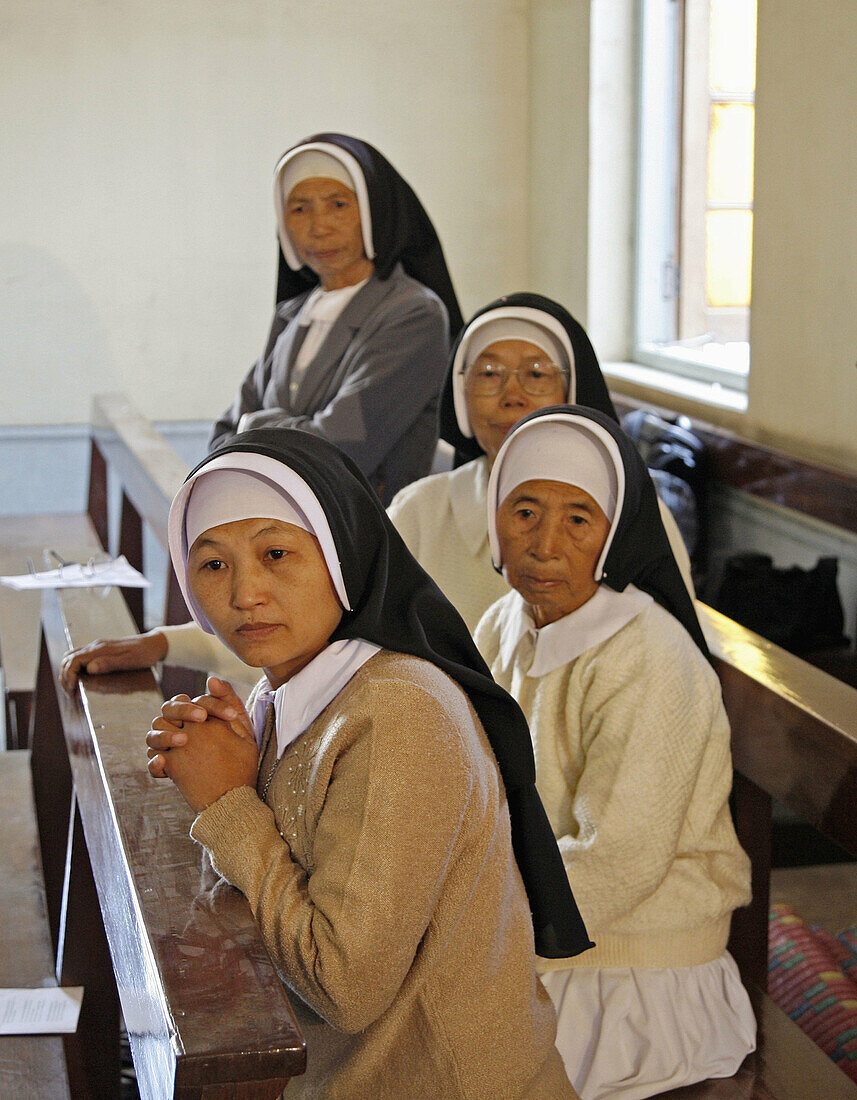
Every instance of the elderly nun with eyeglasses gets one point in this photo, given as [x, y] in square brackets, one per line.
[517, 354]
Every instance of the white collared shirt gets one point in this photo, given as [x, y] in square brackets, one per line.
[318, 315]
[299, 701]
[554, 645]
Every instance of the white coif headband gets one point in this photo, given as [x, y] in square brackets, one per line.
[509, 323]
[319, 160]
[226, 496]
[309, 164]
[246, 485]
[559, 447]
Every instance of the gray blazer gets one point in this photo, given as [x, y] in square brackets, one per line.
[372, 388]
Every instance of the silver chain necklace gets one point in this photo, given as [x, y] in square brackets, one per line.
[270, 777]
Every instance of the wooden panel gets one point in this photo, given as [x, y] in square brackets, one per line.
[794, 728]
[22, 537]
[30, 1065]
[748, 936]
[178, 936]
[92, 1054]
[810, 488]
[131, 545]
[53, 790]
[150, 470]
[97, 503]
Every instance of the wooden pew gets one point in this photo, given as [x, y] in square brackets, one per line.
[24, 538]
[125, 448]
[206, 1013]
[151, 473]
[30, 1065]
[794, 739]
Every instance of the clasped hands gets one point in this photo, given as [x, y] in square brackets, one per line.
[205, 745]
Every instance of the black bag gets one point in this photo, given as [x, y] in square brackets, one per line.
[798, 609]
[676, 459]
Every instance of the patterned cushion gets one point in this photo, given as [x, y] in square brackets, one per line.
[812, 975]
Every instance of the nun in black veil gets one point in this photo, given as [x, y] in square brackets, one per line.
[376, 800]
[365, 306]
[599, 642]
[356, 354]
[515, 355]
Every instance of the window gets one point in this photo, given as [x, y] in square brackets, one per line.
[695, 187]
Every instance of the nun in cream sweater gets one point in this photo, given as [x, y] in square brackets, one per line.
[599, 644]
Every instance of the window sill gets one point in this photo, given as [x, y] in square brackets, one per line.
[662, 384]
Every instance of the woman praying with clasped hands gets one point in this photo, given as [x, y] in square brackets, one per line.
[367, 800]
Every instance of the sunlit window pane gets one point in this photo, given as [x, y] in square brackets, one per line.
[730, 153]
[728, 255]
[732, 47]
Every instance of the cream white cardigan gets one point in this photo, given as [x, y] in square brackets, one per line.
[633, 766]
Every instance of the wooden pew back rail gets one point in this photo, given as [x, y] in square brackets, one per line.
[126, 449]
[794, 738]
[30, 1065]
[206, 1012]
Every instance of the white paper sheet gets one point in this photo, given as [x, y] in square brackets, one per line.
[97, 575]
[40, 1011]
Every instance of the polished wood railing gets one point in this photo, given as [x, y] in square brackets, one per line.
[132, 902]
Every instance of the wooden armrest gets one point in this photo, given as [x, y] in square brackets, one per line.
[202, 1002]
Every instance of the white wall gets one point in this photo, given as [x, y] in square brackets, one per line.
[803, 376]
[559, 151]
[137, 237]
[612, 176]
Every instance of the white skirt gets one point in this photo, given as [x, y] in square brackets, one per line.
[632, 1032]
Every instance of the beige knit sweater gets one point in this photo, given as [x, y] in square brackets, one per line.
[381, 873]
[633, 766]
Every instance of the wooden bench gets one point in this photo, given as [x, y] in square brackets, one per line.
[30, 1065]
[794, 739]
[23, 539]
[127, 451]
[130, 902]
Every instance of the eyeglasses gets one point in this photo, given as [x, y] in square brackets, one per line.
[485, 378]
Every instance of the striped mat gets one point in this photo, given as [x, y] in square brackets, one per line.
[812, 975]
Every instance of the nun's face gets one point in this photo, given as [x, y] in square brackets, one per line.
[519, 364]
[264, 587]
[551, 535]
[323, 221]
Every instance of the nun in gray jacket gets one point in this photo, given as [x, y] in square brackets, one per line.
[358, 347]
[357, 352]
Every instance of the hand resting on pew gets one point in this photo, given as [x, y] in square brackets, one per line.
[112, 655]
[206, 746]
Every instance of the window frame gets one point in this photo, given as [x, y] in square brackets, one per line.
[658, 186]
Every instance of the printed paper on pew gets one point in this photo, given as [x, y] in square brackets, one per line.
[95, 575]
[40, 1011]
